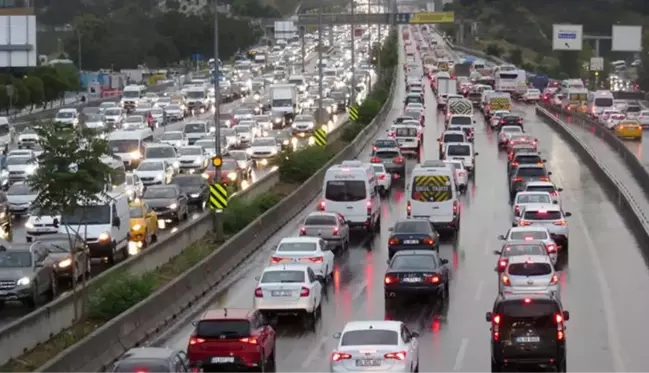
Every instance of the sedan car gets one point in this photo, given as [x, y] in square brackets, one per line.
[174, 138]
[524, 199]
[69, 256]
[154, 172]
[522, 248]
[416, 273]
[306, 250]
[168, 202]
[329, 226]
[384, 178]
[412, 234]
[20, 197]
[629, 129]
[195, 187]
[144, 224]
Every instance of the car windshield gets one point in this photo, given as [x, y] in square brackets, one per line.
[406, 132]
[524, 249]
[533, 309]
[453, 137]
[284, 277]
[386, 154]
[196, 94]
[160, 193]
[112, 112]
[21, 190]
[533, 198]
[92, 214]
[531, 171]
[542, 215]
[156, 111]
[321, 220]
[264, 142]
[207, 144]
[66, 114]
[226, 132]
[171, 136]
[15, 160]
[136, 212]
[414, 262]
[412, 227]
[414, 114]
[173, 108]
[135, 119]
[123, 146]
[15, 259]
[386, 143]
[378, 168]
[187, 180]
[541, 188]
[227, 165]
[528, 235]
[528, 159]
[242, 111]
[151, 166]
[345, 190]
[223, 329]
[461, 120]
[370, 337]
[93, 118]
[160, 152]
[459, 150]
[529, 269]
[297, 246]
[194, 127]
[241, 129]
[190, 151]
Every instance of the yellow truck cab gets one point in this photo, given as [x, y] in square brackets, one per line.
[143, 223]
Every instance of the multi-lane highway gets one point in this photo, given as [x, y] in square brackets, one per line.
[602, 285]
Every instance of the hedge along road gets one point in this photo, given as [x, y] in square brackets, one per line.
[15, 310]
[454, 337]
[608, 312]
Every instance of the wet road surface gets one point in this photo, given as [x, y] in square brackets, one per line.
[602, 286]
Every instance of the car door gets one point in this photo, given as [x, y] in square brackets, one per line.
[328, 255]
[344, 228]
[316, 286]
[411, 342]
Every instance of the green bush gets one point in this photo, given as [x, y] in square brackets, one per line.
[351, 131]
[240, 213]
[264, 202]
[118, 294]
[368, 110]
[297, 167]
[494, 50]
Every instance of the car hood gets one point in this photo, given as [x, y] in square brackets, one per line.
[142, 174]
[190, 189]
[263, 149]
[20, 199]
[13, 274]
[159, 202]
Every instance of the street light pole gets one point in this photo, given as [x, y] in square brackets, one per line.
[218, 218]
[320, 71]
[353, 79]
[79, 47]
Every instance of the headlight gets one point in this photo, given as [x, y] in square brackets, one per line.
[205, 176]
[136, 154]
[256, 97]
[4, 173]
[137, 227]
[30, 170]
[198, 160]
[104, 236]
[29, 225]
[194, 195]
[176, 164]
[23, 281]
[249, 151]
[158, 177]
[65, 263]
[227, 122]
[232, 176]
[273, 151]
[277, 120]
[285, 142]
[173, 206]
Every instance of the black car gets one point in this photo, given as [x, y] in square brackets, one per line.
[417, 273]
[525, 173]
[194, 186]
[510, 120]
[167, 201]
[392, 159]
[533, 158]
[528, 329]
[412, 234]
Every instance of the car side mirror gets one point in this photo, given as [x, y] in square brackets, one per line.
[566, 315]
[443, 261]
[337, 335]
[501, 237]
[415, 334]
[567, 214]
[474, 154]
[117, 222]
[560, 189]
[474, 121]
[549, 173]
[489, 316]
[497, 252]
[544, 160]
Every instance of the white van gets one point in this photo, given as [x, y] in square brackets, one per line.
[299, 82]
[432, 194]
[104, 225]
[117, 177]
[131, 95]
[461, 151]
[351, 189]
[128, 144]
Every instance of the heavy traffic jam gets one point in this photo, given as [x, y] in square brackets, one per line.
[431, 181]
[160, 145]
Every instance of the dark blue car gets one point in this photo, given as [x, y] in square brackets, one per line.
[412, 234]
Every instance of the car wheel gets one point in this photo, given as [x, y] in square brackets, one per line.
[271, 362]
[495, 367]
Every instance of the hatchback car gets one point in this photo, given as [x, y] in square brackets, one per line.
[329, 226]
[529, 274]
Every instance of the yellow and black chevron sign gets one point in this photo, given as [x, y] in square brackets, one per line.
[320, 137]
[218, 197]
[432, 188]
[353, 112]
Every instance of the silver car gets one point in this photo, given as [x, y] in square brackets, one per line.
[524, 247]
[529, 274]
[531, 234]
[524, 199]
[20, 197]
[551, 217]
[331, 226]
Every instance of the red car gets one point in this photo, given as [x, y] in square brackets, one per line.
[232, 339]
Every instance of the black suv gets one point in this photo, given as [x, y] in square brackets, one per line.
[528, 329]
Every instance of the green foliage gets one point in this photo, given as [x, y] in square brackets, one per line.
[516, 57]
[494, 50]
[254, 8]
[368, 110]
[70, 172]
[35, 87]
[297, 167]
[118, 294]
[240, 213]
[351, 131]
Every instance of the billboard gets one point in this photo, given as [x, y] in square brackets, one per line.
[18, 44]
[567, 37]
[285, 30]
[627, 38]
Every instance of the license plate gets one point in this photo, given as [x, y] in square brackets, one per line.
[528, 339]
[411, 242]
[412, 279]
[281, 293]
[41, 229]
[458, 159]
[222, 360]
[368, 362]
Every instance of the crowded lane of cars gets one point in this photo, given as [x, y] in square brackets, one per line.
[605, 329]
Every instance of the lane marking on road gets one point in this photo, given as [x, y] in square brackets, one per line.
[315, 352]
[478, 290]
[459, 358]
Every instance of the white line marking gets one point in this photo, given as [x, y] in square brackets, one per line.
[478, 290]
[459, 358]
[359, 291]
[315, 352]
[487, 248]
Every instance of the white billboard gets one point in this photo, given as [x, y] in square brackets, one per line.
[627, 38]
[285, 30]
[18, 43]
[567, 37]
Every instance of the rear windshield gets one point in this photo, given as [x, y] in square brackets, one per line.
[284, 277]
[530, 249]
[297, 246]
[633, 109]
[370, 337]
[529, 235]
[461, 120]
[459, 150]
[454, 137]
[223, 329]
[533, 198]
[384, 143]
[406, 132]
[528, 159]
[320, 220]
[531, 171]
[412, 227]
[529, 269]
[432, 189]
[386, 154]
[142, 365]
[414, 262]
[520, 309]
[542, 215]
[345, 190]
[540, 188]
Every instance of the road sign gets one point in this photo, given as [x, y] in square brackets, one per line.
[567, 37]
[626, 38]
[402, 18]
[353, 112]
[345, 19]
[217, 161]
[320, 137]
[432, 17]
[218, 196]
[596, 64]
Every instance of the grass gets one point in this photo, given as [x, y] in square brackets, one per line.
[529, 55]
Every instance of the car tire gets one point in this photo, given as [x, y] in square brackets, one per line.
[495, 367]
[271, 363]
[562, 366]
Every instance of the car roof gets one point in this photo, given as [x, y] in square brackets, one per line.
[300, 239]
[543, 206]
[539, 183]
[530, 165]
[227, 313]
[322, 213]
[529, 258]
[286, 267]
[521, 296]
[377, 324]
[528, 229]
[453, 132]
[148, 353]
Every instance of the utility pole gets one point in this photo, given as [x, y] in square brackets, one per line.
[320, 71]
[78, 47]
[218, 217]
[353, 80]
[378, 57]
[302, 32]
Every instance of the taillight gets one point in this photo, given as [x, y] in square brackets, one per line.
[401, 355]
[382, 177]
[461, 174]
[374, 148]
[517, 210]
[321, 205]
[456, 207]
[505, 280]
[520, 122]
[551, 248]
[554, 280]
[337, 356]
[398, 159]
[515, 164]
[524, 223]
[554, 194]
[317, 259]
[429, 241]
[502, 264]
[305, 292]
[408, 209]
[259, 293]
[369, 208]
[434, 279]
[502, 121]
[302, 231]
[375, 160]
[336, 231]
[391, 279]
[195, 341]
[544, 178]
[275, 260]
[518, 179]
[495, 327]
[393, 241]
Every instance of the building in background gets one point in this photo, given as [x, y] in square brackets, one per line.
[17, 34]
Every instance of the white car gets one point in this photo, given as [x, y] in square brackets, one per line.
[162, 102]
[174, 112]
[603, 117]
[461, 174]
[192, 158]
[524, 199]
[245, 133]
[134, 186]
[20, 167]
[107, 105]
[529, 274]
[95, 121]
[544, 186]
[303, 124]
[377, 346]
[384, 178]
[644, 118]
[134, 121]
[27, 138]
[532, 95]
[20, 197]
[263, 148]
[551, 217]
[311, 251]
[162, 152]
[154, 172]
[532, 233]
[506, 133]
[209, 147]
[231, 138]
[613, 120]
[39, 224]
[69, 116]
[292, 289]
[114, 116]
[174, 138]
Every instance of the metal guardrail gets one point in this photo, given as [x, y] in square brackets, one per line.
[160, 310]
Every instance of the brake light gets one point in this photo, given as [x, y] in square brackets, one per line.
[391, 280]
[456, 207]
[317, 259]
[429, 241]
[461, 174]
[554, 280]
[305, 292]
[398, 159]
[337, 356]
[524, 223]
[195, 341]
[259, 293]
[249, 340]
[408, 209]
[390, 134]
[502, 121]
[502, 264]
[515, 164]
[375, 160]
[561, 223]
[302, 231]
[374, 148]
[520, 121]
[505, 280]
[544, 178]
[558, 318]
[495, 327]
[517, 210]
[369, 208]
[518, 179]
[275, 260]
[434, 279]
[321, 205]
[401, 355]
[552, 248]
[393, 241]
[382, 177]
[336, 231]
[553, 194]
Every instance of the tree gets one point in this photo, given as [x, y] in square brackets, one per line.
[70, 175]
[493, 50]
[569, 63]
[36, 90]
[516, 57]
